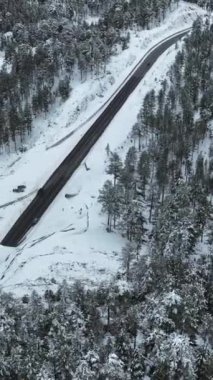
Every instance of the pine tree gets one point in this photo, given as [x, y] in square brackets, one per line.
[110, 198]
[115, 166]
[144, 170]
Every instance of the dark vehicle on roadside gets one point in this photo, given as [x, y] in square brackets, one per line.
[19, 189]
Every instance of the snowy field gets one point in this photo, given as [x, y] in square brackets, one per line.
[70, 241]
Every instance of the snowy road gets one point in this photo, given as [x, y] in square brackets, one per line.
[65, 170]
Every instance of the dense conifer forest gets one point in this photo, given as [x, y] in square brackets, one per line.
[155, 320]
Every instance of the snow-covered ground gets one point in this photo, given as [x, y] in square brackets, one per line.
[70, 241]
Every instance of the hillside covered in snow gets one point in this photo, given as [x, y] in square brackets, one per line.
[73, 227]
[115, 281]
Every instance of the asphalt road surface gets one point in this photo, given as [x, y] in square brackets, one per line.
[64, 171]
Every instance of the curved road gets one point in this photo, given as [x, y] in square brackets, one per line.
[65, 170]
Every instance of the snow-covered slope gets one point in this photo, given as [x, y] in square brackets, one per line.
[70, 241]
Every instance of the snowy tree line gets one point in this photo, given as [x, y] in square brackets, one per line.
[159, 327]
[160, 199]
[170, 127]
[208, 4]
[46, 42]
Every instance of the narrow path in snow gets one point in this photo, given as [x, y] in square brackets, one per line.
[17, 200]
